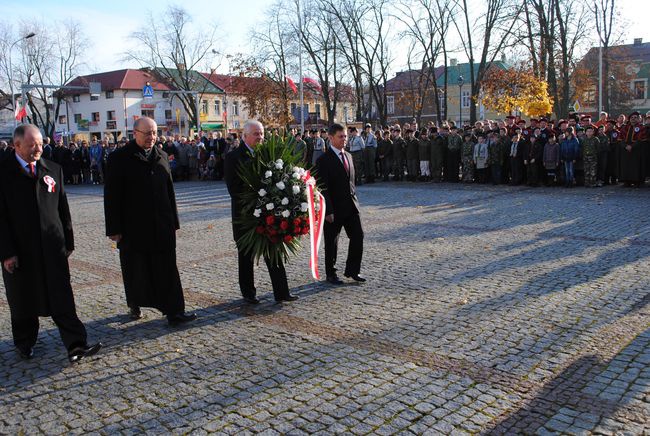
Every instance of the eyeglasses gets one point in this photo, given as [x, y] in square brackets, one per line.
[149, 133]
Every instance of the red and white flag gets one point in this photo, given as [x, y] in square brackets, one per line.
[292, 84]
[312, 82]
[21, 112]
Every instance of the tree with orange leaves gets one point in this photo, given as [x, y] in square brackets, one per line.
[516, 89]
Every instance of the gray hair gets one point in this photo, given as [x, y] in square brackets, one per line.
[140, 120]
[250, 124]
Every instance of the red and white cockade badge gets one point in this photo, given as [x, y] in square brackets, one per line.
[49, 181]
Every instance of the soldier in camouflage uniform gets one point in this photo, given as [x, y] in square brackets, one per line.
[438, 149]
[454, 144]
[590, 145]
[467, 155]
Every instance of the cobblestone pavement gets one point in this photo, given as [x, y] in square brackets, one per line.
[490, 310]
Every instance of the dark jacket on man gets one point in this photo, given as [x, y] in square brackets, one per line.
[341, 200]
[140, 204]
[240, 156]
[35, 226]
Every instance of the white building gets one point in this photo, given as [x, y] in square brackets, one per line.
[121, 102]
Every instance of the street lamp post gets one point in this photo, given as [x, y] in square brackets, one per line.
[11, 79]
[461, 81]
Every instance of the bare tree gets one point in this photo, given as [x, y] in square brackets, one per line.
[606, 14]
[51, 57]
[494, 26]
[175, 49]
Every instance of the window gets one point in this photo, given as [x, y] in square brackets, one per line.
[204, 107]
[390, 104]
[95, 116]
[77, 118]
[76, 98]
[466, 98]
[217, 107]
[293, 108]
[168, 114]
[441, 99]
[317, 109]
[110, 115]
[94, 97]
[590, 96]
[147, 113]
[638, 89]
[235, 108]
[63, 119]
[165, 94]
[109, 94]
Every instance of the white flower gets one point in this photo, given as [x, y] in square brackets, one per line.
[257, 213]
[286, 214]
[269, 206]
[303, 207]
[296, 176]
[285, 201]
[295, 189]
[261, 192]
[278, 165]
[280, 185]
[296, 169]
[311, 181]
[279, 162]
[268, 174]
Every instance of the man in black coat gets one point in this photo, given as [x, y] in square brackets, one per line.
[335, 171]
[141, 217]
[35, 241]
[253, 135]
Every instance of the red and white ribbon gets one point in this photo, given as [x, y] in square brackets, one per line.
[49, 181]
[316, 221]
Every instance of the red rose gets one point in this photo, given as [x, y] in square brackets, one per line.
[284, 224]
[270, 219]
[274, 239]
[305, 230]
[272, 232]
[288, 238]
[259, 229]
[296, 222]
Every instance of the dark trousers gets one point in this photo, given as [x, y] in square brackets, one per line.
[71, 329]
[353, 229]
[151, 279]
[247, 278]
[602, 166]
[495, 169]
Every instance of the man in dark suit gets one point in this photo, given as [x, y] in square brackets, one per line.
[335, 171]
[35, 241]
[141, 217]
[253, 135]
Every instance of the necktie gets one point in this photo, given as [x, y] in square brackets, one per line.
[345, 163]
[32, 170]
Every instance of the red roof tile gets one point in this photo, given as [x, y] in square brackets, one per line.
[120, 79]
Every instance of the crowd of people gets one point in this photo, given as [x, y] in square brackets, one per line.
[570, 152]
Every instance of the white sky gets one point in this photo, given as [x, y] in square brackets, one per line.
[109, 23]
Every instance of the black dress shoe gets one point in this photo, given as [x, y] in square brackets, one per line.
[335, 280]
[181, 318]
[355, 277]
[78, 353]
[135, 313]
[287, 297]
[251, 300]
[25, 352]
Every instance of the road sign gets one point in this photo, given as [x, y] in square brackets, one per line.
[576, 106]
[147, 91]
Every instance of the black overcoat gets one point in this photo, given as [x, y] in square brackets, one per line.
[35, 226]
[139, 200]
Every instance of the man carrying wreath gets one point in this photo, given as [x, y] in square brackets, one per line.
[253, 136]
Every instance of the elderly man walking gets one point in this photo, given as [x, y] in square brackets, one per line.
[36, 240]
[253, 136]
[141, 217]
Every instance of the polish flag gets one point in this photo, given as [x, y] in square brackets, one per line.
[292, 84]
[21, 112]
[312, 82]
